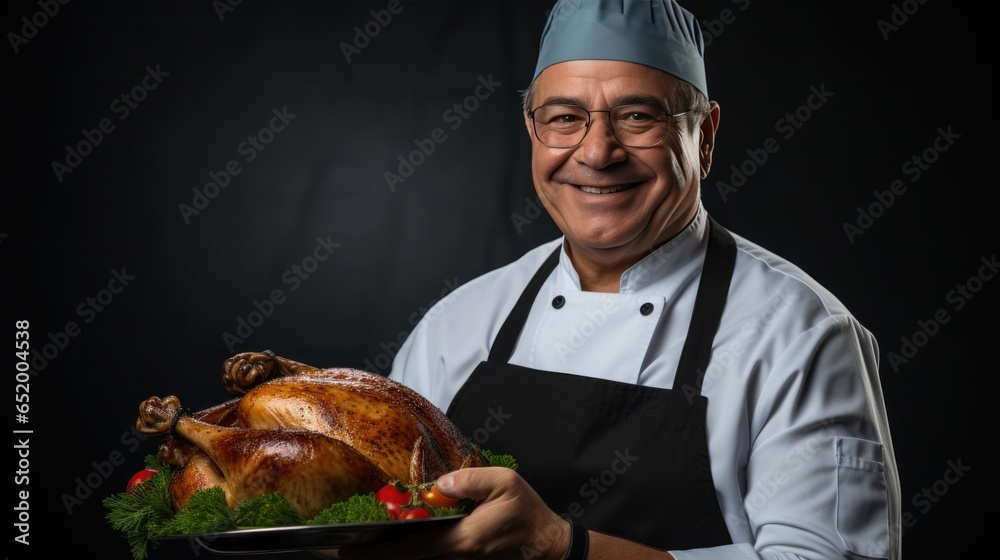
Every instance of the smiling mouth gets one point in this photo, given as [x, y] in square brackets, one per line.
[606, 190]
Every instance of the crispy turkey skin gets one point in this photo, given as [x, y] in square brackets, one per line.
[316, 435]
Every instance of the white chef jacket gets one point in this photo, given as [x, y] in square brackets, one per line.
[798, 437]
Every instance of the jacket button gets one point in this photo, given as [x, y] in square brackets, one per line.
[646, 308]
[558, 302]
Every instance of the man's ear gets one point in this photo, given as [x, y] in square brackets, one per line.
[709, 125]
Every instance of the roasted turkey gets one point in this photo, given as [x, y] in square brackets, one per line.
[315, 435]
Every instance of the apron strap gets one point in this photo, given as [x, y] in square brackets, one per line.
[713, 288]
[506, 340]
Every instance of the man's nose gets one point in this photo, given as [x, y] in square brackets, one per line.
[600, 148]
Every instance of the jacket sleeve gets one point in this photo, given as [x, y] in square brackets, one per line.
[821, 479]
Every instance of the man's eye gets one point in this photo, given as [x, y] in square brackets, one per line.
[565, 118]
[636, 117]
[639, 114]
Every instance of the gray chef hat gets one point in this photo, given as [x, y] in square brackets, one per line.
[656, 33]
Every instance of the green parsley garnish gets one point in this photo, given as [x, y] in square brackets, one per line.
[145, 515]
[497, 459]
[359, 508]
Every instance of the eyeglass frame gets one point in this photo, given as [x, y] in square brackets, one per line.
[590, 121]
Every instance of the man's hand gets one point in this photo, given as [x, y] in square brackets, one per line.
[511, 521]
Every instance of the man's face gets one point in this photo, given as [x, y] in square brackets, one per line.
[659, 185]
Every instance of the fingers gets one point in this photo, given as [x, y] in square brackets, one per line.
[509, 514]
[478, 483]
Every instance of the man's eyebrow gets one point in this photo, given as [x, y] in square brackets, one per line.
[639, 100]
[563, 101]
[618, 102]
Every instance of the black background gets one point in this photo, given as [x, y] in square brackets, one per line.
[400, 248]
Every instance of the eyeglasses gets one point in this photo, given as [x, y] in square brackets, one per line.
[633, 126]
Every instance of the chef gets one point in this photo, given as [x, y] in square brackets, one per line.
[669, 388]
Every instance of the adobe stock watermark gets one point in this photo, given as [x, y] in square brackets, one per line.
[224, 7]
[495, 419]
[711, 30]
[121, 106]
[958, 297]
[913, 168]
[30, 26]
[786, 126]
[926, 498]
[579, 334]
[795, 460]
[249, 149]
[292, 277]
[87, 484]
[22, 511]
[590, 492]
[899, 15]
[42, 354]
[542, 539]
[930, 495]
[383, 362]
[725, 357]
[714, 27]
[455, 116]
[533, 209]
[363, 34]
[597, 486]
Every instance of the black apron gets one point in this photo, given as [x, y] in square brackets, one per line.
[623, 459]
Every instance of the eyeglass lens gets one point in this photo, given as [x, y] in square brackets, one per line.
[565, 126]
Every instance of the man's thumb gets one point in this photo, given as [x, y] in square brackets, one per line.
[473, 482]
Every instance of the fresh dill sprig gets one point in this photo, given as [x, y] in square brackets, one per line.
[206, 511]
[144, 514]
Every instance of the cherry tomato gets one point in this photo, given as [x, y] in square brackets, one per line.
[433, 497]
[415, 513]
[393, 509]
[139, 477]
[393, 498]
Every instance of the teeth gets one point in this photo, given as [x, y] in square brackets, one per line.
[603, 190]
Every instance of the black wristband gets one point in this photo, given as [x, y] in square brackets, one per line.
[579, 541]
